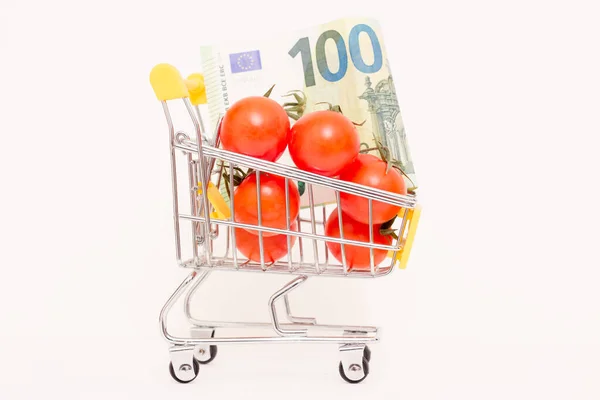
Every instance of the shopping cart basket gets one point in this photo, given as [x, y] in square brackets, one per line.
[212, 245]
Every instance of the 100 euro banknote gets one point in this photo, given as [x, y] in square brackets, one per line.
[343, 63]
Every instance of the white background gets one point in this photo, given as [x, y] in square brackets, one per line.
[500, 300]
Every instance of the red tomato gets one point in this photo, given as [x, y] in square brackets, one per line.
[370, 171]
[274, 247]
[323, 142]
[272, 198]
[257, 127]
[357, 257]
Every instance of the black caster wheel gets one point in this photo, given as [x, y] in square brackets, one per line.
[367, 353]
[365, 366]
[213, 354]
[196, 367]
[212, 351]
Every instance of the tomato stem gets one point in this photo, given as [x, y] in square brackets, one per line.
[388, 224]
[389, 232]
[238, 177]
[301, 187]
[337, 108]
[268, 92]
[386, 229]
[295, 110]
[368, 149]
[385, 154]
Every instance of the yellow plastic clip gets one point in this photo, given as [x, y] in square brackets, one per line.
[168, 83]
[218, 202]
[195, 85]
[413, 216]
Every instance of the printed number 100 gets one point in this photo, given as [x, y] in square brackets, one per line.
[302, 46]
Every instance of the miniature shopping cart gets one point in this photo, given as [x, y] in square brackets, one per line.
[211, 226]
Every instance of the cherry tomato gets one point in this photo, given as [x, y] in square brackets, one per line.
[274, 247]
[357, 257]
[272, 198]
[370, 171]
[323, 142]
[257, 127]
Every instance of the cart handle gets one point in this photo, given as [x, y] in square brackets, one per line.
[169, 85]
[196, 88]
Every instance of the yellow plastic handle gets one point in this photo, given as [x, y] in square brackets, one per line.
[195, 85]
[168, 83]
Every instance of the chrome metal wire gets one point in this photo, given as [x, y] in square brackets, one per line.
[203, 156]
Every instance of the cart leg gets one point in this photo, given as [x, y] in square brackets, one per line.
[188, 297]
[169, 304]
[283, 292]
[354, 367]
[298, 320]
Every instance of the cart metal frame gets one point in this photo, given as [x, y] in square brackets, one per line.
[205, 163]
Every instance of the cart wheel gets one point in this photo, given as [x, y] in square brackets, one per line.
[365, 365]
[196, 367]
[367, 353]
[213, 353]
[200, 356]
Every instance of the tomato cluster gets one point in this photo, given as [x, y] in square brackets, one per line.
[321, 142]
